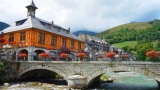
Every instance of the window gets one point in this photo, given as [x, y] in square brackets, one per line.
[63, 42]
[22, 36]
[11, 37]
[20, 22]
[46, 24]
[79, 45]
[54, 40]
[72, 44]
[49, 26]
[41, 38]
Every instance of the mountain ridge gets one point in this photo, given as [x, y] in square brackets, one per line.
[88, 32]
[3, 25]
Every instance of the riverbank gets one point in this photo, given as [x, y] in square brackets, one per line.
[33, 86]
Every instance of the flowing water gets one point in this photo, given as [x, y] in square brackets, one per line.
[128, 81]
[122, 81]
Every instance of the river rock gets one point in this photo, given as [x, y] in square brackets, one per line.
[110, 79]
[39, 83]
[6, 84]
[77, 81]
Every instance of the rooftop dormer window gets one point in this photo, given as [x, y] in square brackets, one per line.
[58, 29]
[49, 26]
[20, 22]
[46, 24]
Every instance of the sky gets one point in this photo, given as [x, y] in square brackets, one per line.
[93, 15]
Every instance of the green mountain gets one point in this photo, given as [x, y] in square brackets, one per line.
[134, 31]
[132, 25]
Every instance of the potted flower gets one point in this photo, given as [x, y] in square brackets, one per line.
[44, 55]
[22, 55]
[64, 55]
[81, 54]
[100, 57]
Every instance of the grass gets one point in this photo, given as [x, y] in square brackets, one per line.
[130, 44]
[154, 43]
[135, 25]
[122, 44]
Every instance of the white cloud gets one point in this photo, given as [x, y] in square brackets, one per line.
[97, 15]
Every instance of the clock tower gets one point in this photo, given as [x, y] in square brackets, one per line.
[31, 9]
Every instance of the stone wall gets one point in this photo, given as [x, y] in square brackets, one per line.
[88, 69]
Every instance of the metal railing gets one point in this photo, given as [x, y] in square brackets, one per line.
[4, 57]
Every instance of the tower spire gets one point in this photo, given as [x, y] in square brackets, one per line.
[31, 9]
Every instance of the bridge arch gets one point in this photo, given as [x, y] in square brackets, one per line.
[101, 71]
[56, 70]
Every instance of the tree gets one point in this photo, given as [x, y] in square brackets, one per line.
[141, 50]
[3, 77]
[158, 44]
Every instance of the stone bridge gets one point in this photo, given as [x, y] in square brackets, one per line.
[88, 69]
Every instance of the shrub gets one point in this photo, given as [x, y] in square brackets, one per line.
[148, 59]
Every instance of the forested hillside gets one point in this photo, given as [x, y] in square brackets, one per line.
[132, 33]
[136, 38]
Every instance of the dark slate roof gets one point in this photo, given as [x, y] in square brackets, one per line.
[34, 22]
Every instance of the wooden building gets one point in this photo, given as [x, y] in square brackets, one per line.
[33, 35]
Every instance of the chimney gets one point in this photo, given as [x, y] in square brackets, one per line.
[69, 30]
[52, 22]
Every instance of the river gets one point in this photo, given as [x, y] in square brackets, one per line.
[122, 81]
[128, 81]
